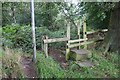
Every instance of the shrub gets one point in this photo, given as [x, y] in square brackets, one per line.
[16, 36]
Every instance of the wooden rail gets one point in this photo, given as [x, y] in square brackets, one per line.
[77, 44]
[55, 40]
[83, 43]
[91, 32]
[78, 40]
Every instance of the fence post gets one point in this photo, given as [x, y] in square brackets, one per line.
[68, 31]
[46, 48]
[67, 51]
[42, 43]
[78, 27]
[84, 31]
[68, 36]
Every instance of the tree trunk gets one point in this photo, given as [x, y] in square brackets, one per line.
[13, 12]
[113, 36]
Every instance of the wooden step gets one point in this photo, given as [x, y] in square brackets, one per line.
[79, 55]
[80, 51]
[85, 63]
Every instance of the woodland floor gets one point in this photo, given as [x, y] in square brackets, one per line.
[58, 56]
[28, 67]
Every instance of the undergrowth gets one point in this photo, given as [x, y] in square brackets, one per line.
[103, 67]
[11, 67]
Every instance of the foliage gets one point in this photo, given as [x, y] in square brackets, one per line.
[48, 68]
[11, 63]
[16, 36]
[98, 14]
[103, 67]
[50, 20]
[45, 14]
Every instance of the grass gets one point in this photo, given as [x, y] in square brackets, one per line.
[11, 64]
[104, 67]
[1, 52]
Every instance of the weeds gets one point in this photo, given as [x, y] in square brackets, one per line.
[103, 68]
[10, 64]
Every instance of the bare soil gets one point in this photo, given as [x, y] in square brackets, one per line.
[58, 56]
[28, 67]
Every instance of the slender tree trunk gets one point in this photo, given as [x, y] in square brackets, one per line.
[13, 12]
[113, 36]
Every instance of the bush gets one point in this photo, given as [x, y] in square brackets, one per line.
[16, 36]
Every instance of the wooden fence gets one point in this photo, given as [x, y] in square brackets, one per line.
[71, 43]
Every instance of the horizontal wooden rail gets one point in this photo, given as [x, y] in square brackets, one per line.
[77, 44]
[91, 32]
[55, 40]
[78, 40]
[83, 43]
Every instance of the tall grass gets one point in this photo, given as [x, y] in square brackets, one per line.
[1, 52]
[11, 64]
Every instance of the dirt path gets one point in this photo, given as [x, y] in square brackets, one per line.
[28, 67]
[58, 56]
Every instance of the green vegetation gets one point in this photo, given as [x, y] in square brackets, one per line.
[51, 19]
[16, 36]
[11, 67]
[48, 68]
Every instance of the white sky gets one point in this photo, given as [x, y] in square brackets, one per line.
[72, 1]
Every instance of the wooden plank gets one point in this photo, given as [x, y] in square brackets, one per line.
[85, 63]
[104, 30]
[46, 48]
[78, 24]
[42, 43]
[78, 27]
[81, 51]
[68, 30]
[55, 40]
[83, 43]
[84, 32]
[77, 44]
[91, 32]
[78, 40]
[67, 51]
